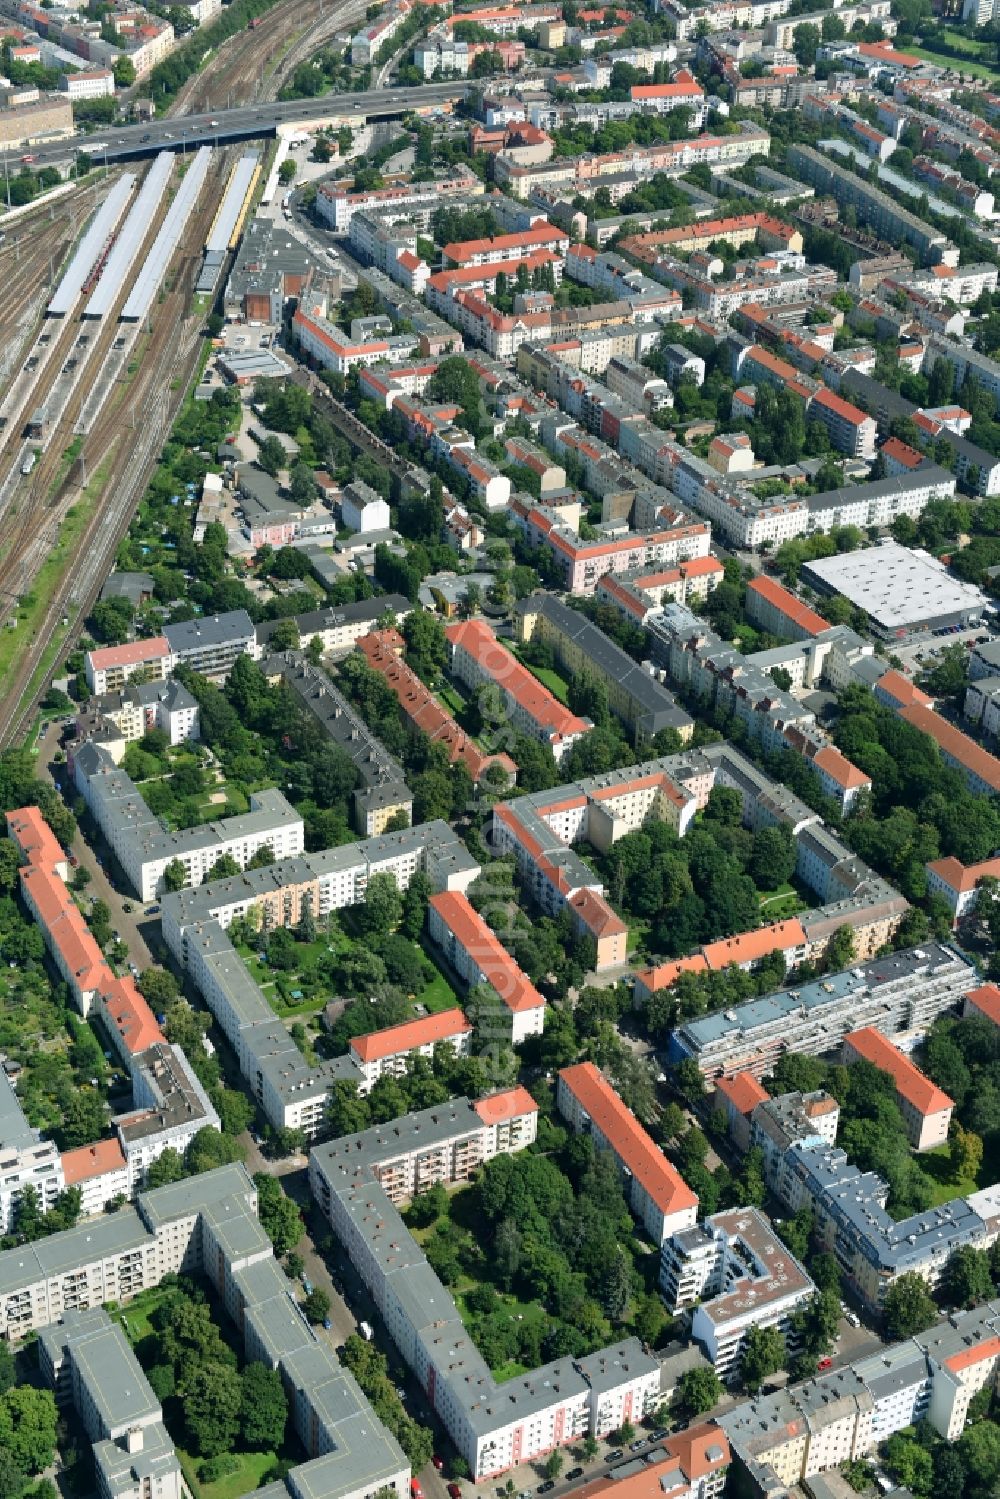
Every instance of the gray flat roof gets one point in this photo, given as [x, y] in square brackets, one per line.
[896, 586]
[656, 706]
[93, 1239]
[209, 629]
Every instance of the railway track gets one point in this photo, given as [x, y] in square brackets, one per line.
[125, 440]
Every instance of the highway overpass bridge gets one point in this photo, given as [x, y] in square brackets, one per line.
[223, 127]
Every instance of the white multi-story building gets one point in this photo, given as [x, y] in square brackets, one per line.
[144, 850]
[388, 1052]
[479, 957]
[358, 1182]
[736, 1274]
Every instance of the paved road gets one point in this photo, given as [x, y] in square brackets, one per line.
[128, 142]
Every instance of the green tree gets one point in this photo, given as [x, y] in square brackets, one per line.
[979, 1449]
[382, 908]
[271, 456]
[212, 1396]
[553, 1464]
[965, 1154]
[911, 1463]
[316, 1305]
[13, 1478]
[174, 876]
[263, 1408]
[698, 1390]
[8, 1369]
[281, 1219]
[967, 1279]
[28, 1427]
[763, 1354]
[908, 1308]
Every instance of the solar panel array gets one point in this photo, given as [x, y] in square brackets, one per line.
[225, 220]
[141, 296]
[104, 223]
[129, 242]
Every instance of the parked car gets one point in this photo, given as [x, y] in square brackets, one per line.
[327, 1324]
[659, 1434]
[637, 1445]
[546, 1487]
[574, 1473]
[613, 1457]
[415, 1490]
[438, 1462]
[454, 1492]
[826, 1363]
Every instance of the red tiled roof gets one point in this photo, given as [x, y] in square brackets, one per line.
[772, 592]
[130, 654]
[486, 951]
[986, 999]
[33, 836]
[410, 1034]
[954, 743]
[977, 1354]
[506, 1105]
[91, 1160]
[627, 1138]
[911, 1084]
[743, 1091]
[904, 692]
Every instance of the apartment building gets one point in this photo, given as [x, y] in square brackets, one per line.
[291, 1091]
[695, 657]
[738, 1096]
[959, 884]
[90, 1363]
[383, 651]
[898, 994]
[980, 769]
[26, 1160]
[689, 1465]
[637, 595]
[144, 850]
[773, 608]
[642, 702]
[339, 628]
[657, 1194]
[110, 667]
[926, 1108]
[358, 1182]
[169, 1105]
[478, 957]
[331, 348]
[585, 562]
[204, 1225]
[383, 795]
[388, 1052]
[982, 704]
[479, 660]
[540, 828]
[336, 204]
[876, 210]
[736, 1274]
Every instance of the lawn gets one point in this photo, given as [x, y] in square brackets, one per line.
[557, 685]
[439, 995]
[976, 69]
[135, 1315]
[250, 1471]
[781, 903]
[936, 1165]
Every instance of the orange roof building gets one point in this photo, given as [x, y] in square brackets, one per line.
[894, 690]
[983, 1003]
[479, 957]
[36, 840]
[658, 1195]
[959, 883]
[389, 1050]
[478, 658]
[926, 1109]
[774, 608]
[501, 1109]
[980, 768]
[382, 652]
[739, 1095]
[745, 950]
[687, 1470]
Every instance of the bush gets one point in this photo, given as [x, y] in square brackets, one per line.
[214, 1468]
